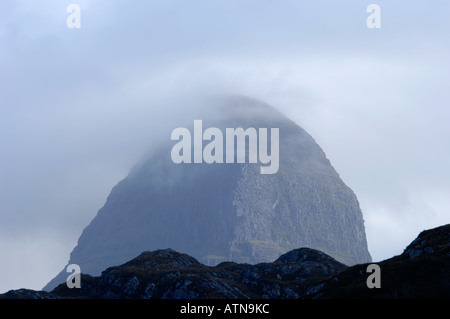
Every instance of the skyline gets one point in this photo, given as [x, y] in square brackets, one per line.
[78, 107]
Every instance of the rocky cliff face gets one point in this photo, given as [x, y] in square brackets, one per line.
[227, 212]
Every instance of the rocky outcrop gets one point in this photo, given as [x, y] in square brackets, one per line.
[28, 294]
[421, 271]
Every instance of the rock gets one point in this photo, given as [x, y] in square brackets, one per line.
[28, 294]
[421, 271]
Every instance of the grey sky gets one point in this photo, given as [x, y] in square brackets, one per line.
[79, 107]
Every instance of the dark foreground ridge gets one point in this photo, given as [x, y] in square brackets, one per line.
[421, 271]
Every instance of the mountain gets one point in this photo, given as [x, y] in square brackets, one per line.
[227, 212]
[422, 271]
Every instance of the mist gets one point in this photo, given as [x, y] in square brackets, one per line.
[79, 107]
